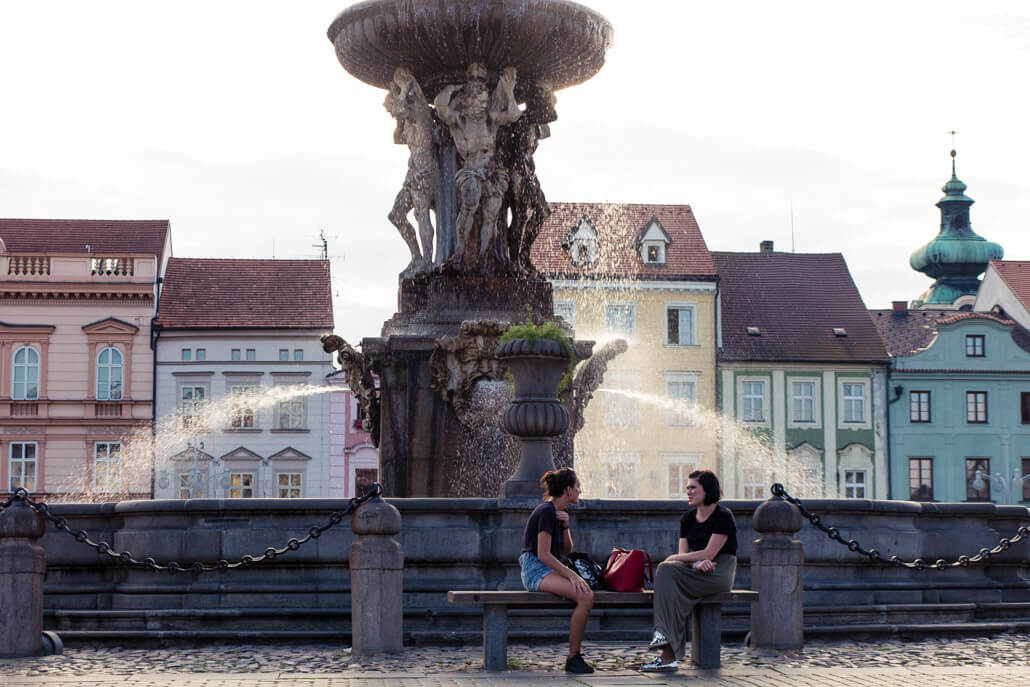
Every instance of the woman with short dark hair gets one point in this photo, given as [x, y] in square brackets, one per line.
[706, 564]
[546, 541]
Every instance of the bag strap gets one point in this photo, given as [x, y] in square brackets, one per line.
[612, 558]
[650, 570]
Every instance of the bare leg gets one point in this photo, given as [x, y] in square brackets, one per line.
[398, 218]
[556, 584]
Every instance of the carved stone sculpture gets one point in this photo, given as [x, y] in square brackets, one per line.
[474, 116]
[589, 378]
[459, 361]
[415, 128]
[359, 378]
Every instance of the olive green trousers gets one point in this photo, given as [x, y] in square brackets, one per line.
[677, 589]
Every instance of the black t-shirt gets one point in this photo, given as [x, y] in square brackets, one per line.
[543, 519]
[697, 533]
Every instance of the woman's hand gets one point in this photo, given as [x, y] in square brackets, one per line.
[705, 566]
[578, 583]
[563, 519]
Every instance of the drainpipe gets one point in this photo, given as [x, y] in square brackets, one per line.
[898, 391]
[155, 334]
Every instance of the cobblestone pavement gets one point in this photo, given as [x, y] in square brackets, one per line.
[940, 662]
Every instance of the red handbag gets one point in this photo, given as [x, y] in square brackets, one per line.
[625, 570]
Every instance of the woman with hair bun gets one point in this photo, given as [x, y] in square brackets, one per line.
[547, 540]
[706, 564]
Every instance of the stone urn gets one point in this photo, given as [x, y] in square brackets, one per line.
[536, 415]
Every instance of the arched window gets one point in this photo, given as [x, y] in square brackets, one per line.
[109, 375]
[25, 386]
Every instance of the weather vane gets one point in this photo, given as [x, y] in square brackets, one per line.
[953, 134]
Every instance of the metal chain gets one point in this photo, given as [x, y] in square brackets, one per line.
[127, 558]
[918, 564]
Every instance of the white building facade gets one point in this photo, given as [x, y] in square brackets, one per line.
[242, 409]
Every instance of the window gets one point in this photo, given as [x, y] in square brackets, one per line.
[978, 479]
[681, 390]
[291, 414]
[284, 354]
[241, 405]
[854, 484]
[620, 318]
[298, 354]
[680, 329]
[364, 478]
[109, 375]
[974, 345]
[853, 402]
[251, 354]
[22, 465]
[920, 479]
[185, 355]
[566, 310]
[241, 485]
[976, 407]
[289, 484]
[752, 483]
[25, 384]
[621, 477]
[802, 402]
[654, 253]
[919, 406]
[620, 406]
[1024, 407]
[201, 354]
[235, 354]
[752, 400]
[678, 467]
[190, 488]
[1026, 479]
[191, 407]
[107, 467]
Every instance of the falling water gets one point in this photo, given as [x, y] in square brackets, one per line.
[144, 447]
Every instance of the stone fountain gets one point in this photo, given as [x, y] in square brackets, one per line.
[471, 85]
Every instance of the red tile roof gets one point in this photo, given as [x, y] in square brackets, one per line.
[911, 331]
[110, 237]
[796, 301]
[619, 225]
[255, 294]
[1016, 275]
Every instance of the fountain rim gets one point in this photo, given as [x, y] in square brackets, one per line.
[575, 68]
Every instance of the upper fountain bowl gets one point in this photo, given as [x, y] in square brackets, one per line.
[556, 42]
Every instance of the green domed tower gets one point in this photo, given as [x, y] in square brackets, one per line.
[958, 256]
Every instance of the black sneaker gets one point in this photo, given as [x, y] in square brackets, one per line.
[576, 664]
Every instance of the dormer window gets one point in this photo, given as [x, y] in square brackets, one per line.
[652, 242]
[582, 243]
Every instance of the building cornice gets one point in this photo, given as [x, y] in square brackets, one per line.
[629, 282]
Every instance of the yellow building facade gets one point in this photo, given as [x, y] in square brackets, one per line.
[641, 273]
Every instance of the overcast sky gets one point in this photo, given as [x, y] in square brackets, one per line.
[235, 121]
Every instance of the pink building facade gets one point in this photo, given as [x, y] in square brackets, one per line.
[353, 459]
[76, 376]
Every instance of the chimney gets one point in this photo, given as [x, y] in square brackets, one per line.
[765, 247]
[900, 307]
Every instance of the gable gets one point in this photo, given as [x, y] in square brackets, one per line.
[110, 325]
[289, 453]
[241, 453]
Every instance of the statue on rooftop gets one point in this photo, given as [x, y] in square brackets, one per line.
[415, 128]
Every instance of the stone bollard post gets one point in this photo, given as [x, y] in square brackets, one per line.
[22, 566]
[777, 560]
[376, 580]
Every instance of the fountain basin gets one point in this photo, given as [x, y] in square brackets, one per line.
[557, 42]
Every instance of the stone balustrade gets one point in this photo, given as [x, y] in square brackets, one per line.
[474, 544]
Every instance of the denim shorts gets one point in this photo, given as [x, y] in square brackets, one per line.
[533, 571]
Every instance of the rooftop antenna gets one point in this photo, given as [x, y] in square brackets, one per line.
[792, 249]
[273, 249]
[323, 245]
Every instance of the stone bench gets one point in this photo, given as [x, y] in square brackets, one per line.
[705, 635]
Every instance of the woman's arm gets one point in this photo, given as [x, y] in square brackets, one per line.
[543, 548]
[715, 544]
[566, 533]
